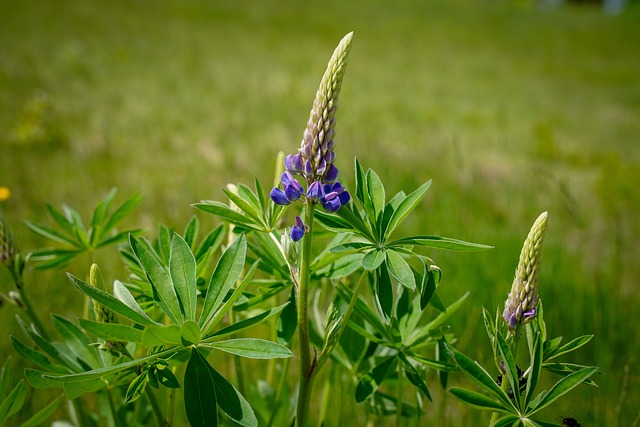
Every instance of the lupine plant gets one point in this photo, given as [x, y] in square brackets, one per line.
[338, 287]
[512, 395]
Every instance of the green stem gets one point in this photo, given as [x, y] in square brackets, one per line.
[278, 399]
[399, 398]
[157, 412]
[112, 406]
[28, 308]
[505, 386]
[306, 368]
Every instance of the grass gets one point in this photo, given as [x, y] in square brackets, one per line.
[510, 108]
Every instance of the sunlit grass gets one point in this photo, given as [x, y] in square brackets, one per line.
[510, 109]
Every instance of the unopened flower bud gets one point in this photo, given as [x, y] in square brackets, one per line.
[522, 304]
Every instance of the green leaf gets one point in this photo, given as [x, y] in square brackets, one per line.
[360, 181]
[534, 373]
[13, 402]
[121, 292]
[564, 386]
[414, 376]
[60, 219]
[373, 259]
[442, 356]
[288, 320]
[375, 199]
[405, 207]
[74, 390]
[353, 218]
[167, 378]
[76, 341]
[351, 247]
[164, 292]
[42, 415]
[232, 402]
[227, 272]
[109, 301]
[371, 381]
[333, 222]
[182, 268]
[507, 421]
[510, 368]
[429, 288]
[226, 213]
[245, 206]
[252, 348]
[383, 293]
[400, 270]
[191, 231]
[228, 304]
[477, 373]
[100, 372]
[477, 400]
[570, 346]
[137, 387]
[36, 357]
[51, 234]
[247, 323]
[155, 335]
[439, 242]
[190, 333]
[112, 331]
[123, 211]
[200, 401]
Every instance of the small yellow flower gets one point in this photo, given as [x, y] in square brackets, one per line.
[5, 193]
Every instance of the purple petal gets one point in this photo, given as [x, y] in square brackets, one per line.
[315, 191]
[296, 233]
[299, 223]
[331, 205]
[332, 174]
[291, 193]
[278, 197]
[344, 197]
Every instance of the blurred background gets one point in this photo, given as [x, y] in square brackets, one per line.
[512, 108]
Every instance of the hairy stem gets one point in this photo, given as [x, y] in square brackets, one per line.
[306, 369]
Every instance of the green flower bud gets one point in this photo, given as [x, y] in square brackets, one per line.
[522, 304]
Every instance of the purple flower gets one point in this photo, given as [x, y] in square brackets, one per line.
[315, 191]
[297, 231]
[294, 163]
[278, 197]
[335, 197]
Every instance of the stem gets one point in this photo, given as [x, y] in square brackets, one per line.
[28, 308]
[157, 412]
[306, 369]
[112, 406]
[399, 398]
[505, 379]
[237, 360]
[278, 399]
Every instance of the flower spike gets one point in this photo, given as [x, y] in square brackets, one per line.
[522, 304]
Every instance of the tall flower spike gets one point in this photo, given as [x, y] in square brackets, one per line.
[103, 313]
[316, 149]
[522, 304]
[7, 246]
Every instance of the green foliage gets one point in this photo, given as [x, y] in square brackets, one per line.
[75, 238]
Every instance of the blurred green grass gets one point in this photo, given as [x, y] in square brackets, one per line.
[510, 108]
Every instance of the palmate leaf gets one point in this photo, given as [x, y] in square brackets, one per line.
[232, 402]
[507, 421]
[373, 259]
[569, 347]
[563, 386]
[246, 323]
[481, 377]
[414, 376]
[76, 343]
[228, 214]
[36, 357]
[374, 199]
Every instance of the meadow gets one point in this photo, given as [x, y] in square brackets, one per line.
[511, 108]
